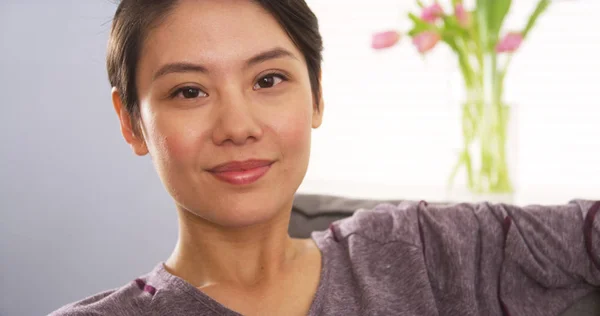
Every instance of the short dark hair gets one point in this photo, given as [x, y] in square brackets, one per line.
[134, 19]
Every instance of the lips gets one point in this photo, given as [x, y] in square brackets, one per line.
[241, 172]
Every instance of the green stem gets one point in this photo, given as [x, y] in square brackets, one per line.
[484, 119]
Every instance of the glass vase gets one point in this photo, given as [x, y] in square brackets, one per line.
[487, 156]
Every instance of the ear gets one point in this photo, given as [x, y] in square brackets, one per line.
[318, 109]
[136, 142]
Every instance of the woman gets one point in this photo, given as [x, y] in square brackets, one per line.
[222, 95]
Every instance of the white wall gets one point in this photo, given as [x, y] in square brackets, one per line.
[392, 119]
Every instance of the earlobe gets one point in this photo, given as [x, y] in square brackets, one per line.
[136, 142]
[318, 109]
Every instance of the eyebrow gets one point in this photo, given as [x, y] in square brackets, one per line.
[275, 53]
[178, 68]
[181, 67]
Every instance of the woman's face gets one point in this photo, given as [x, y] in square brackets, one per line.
[220, 81]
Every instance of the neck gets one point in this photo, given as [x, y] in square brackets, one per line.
[207, 254]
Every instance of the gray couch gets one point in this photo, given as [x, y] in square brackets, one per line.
[315, 212]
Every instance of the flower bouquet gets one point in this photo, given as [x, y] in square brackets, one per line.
[484, 54]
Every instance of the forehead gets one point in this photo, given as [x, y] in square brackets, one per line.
[217, 33]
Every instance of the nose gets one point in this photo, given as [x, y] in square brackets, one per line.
[236, 121]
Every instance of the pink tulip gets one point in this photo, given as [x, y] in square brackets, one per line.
[509, 43]
[425, 41]
[463, 17]
[385, 39]
[431, 13]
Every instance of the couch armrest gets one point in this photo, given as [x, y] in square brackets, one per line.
[587, 306]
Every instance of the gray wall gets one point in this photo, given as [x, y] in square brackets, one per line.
[79, 213]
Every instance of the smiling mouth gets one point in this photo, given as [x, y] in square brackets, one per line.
[241, 172]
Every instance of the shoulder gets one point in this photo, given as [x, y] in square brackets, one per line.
[407, 221]
[384, 223]
[133, 298]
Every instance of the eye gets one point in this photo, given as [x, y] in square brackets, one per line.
[269, 81]
[189, 93]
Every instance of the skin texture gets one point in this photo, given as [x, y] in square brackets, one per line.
[233, 243]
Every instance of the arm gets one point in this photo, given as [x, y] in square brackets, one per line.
[534, 260]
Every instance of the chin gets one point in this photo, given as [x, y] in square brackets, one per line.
[239, 210]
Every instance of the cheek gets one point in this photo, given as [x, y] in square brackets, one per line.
[294, 130]
[172, 141]
[295, 136]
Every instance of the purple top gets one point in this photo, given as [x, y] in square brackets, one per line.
[418, 259]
